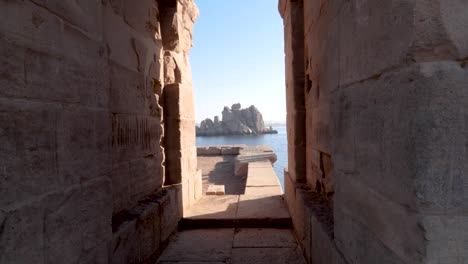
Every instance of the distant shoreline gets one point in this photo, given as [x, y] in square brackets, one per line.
[270, 132]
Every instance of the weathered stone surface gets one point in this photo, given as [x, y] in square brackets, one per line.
[375, 124]
[266, 255]
[124, 246]
[235, 121]
[171, 212]
[214, 207]
[83, 153]
[64, 224]
[446, 238]
[211, 245]
[421, 149]
[80, 100]
[261, 177]
[242, 161]
[290, 193]
[22, 239]
[215, 190]
[365, 247]
[264, 237]
[189, 262]
[355, 200]
[261, 207]
[28, 153]
[264, 191]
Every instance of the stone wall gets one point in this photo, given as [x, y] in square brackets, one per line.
[87, 89]
[376, 125]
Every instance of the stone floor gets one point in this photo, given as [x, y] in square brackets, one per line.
[234, 246]
[219, 170]
[249, 224]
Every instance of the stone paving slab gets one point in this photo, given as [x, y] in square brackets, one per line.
[214, 207]
[261, 207]
[189, 262]
[257, 245]
[264, 191]
[262, 177]
[267, 256]
[202, 245]
[215, 190]
[237, 211]
[264, 237]
[219, 170]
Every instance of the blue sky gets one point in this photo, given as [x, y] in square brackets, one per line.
[238, 56]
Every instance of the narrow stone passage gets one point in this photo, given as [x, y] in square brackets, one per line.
[235, 246]
[250, 224]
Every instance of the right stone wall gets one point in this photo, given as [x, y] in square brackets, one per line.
[383, 128]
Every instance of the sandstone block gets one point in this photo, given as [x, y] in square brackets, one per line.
[405, 239]
[214, 207]
[261, 207]
[127, 91]
[120, 189]
[134, 137]
[23, 239]
[302, 221]
[323, 247]
[230, 150]
[118, 38]
[85, 79]
[266, 255]
[82, 150]
[144, 178]
[39, 29]
[365, 247]
[432, 35]
[243, 162]
[85, 15]
[124, 246]
[198, 186]
[212, 245]
[148, 230]
[182, 135]
[60, 225]
[143, 18]
[446, 238]
[264, 190]
[96, 212]
[290, 193]
[264, 237]
[394, 38]
[28, 153]
[208, 151]
[421, 149]
[178, 101]
[215, 190]
[258, 177]
[170, 205]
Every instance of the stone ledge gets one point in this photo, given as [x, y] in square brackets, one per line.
[142, 233]
[218, 150]
[312, 217]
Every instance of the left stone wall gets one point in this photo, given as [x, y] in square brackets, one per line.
[81, 158]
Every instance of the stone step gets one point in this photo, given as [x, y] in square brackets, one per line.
[215, 190]
[238, 211]
[235, 246]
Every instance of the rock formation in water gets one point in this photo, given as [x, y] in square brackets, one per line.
[235, 121]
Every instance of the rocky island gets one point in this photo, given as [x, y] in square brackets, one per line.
[235, 121]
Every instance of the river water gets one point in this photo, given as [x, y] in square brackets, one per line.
[278, 142]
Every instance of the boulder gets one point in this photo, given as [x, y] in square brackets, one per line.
[235, 121]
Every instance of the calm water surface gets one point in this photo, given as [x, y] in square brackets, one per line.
[277, 141]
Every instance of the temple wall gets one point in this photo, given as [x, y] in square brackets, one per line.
[384, 89]
[83, 154]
